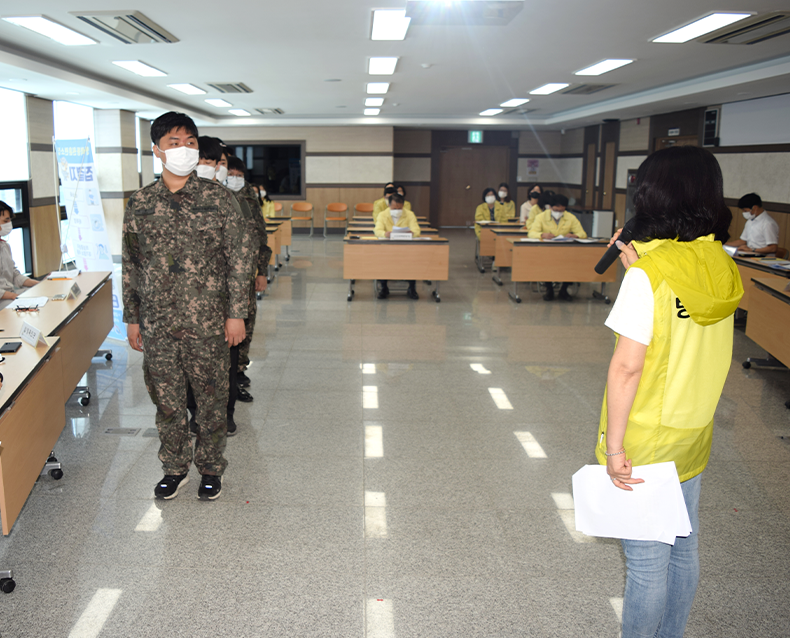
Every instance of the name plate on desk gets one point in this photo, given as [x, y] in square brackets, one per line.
[31, 335]
[74, 292]
[401, 236]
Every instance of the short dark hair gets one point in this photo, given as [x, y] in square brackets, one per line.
[5, 207]
[235, 164]
[162, 125]
[389, 190]
[402, 187]
[546, 198]
[397, 198]
[750, 200]
[209, 148]
[559, 200]
[487, 191]
[507, 199]
[679, 195]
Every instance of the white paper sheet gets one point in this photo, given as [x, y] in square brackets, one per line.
[28, 302]
[653, 511]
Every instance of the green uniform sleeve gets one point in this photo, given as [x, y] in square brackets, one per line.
[238, 248]
[130, 264]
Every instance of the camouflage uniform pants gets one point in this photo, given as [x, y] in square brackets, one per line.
[249, 325]
[168, 367]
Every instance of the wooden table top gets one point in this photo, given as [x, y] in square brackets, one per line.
[759, 264]
[372, 239]
[781, 288]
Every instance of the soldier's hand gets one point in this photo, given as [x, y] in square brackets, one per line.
[234, 331]
[133, 334]
[260, 283]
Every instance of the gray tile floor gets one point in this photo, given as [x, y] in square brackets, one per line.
[423, 516]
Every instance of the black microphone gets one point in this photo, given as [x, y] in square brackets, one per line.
[613, 252]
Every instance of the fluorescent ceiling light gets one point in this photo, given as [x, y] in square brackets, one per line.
[189, 89]
[372, 111]
[389, 24]
[374, 101]
[378, 88]
[218, 102]
[702, 26]
[518, 101]
[490, 112]
[140, 68]
[548, 89]
[239, 112]
[603, 67]
[382, 66]
[57, 32]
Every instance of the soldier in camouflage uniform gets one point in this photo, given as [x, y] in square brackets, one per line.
[245, 192]
[186, 274]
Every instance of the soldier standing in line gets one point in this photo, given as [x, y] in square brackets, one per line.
[186, 274]
[244, 192]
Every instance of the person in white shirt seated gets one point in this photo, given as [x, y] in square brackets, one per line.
[761, 233]
[531, 208]
[396, 217]
[11, 280]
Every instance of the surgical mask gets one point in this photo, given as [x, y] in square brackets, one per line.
[534, 195]
[206, 171]
[396, 213]
[222, 173]
[557, 215]
[181, 160]
[263, 193]
[235, 183]
[490, 199]
[747, 216]
[6, 228]
[502, 194]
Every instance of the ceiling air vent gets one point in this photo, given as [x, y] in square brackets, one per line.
[130, 27]
[270, 111]
[752, 30]
[586, 89]
[490, 13]
[230, 87]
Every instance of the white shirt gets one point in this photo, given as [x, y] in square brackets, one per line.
[761, 231]
[10, 277]
[632, 313]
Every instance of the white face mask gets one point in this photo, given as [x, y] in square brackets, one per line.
[222, 173]
[747, 216]
[181, 161]
[396, 213]
[490, 199]
[502, 194]
[263, 193]
[206, 171]
[6, 228]
[235, 183]
[557, 215]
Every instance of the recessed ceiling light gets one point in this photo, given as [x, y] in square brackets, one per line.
[490, 112]
[603, 67]
[382, 66]
[518, 101]
[378, 88]
[389, 24]
[140, 68]
[372, 111]
[53, 30]
[374, 101]
[189, 89]
[702, 26]
[548, 89]
[218, 102]
[239, 112]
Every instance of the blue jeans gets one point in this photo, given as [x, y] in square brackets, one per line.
[662, 579]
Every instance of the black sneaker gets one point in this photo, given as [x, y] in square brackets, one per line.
[242, 380]
[384, 293]
[411, 293]
[565, 296]
[210, 487]
[549, 294]
[244, 396]
[168, 487]
[231, 426]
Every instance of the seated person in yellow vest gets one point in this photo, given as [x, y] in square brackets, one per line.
[489, 210]
[761, 233]
[267, 205]
[401, 190]
[504, 199]
[554, 223]
[396, 215]
[11, 280]
[531, 208]
[383, 203]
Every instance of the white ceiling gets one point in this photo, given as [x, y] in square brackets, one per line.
[285, 51]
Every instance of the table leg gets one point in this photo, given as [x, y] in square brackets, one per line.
[350, 290]
[768, 362]
[602, 296]
[7, 583]
[514, 295]
[478, 258]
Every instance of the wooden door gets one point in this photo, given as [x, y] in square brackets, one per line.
[607, 179]
[464, 172]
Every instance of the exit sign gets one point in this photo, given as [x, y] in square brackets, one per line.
[475, 137]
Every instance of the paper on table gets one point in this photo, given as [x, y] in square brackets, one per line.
[587, 240]
[63, 274]
[530, 239]
[561, 238]
[653, 511]
[24, 303]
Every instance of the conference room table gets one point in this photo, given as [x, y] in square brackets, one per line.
[756, 267]
[769, 317]
[571, 261]
[286, 232]
[373, 258]
[367, 229]
[274, 239]
[503, 250]
[486, 243]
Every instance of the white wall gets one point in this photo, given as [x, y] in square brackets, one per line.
[763, 173]
[563, 170]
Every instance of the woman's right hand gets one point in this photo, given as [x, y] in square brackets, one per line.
[628, 254]
[8, 294]
[619, 470]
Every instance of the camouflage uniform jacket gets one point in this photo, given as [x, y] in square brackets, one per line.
[259, 226]
[187, 259]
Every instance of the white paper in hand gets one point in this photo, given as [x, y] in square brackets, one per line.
[653, 511]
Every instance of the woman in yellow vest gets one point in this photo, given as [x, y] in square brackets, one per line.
[504, 199]
[490, 210]
[674, 323]
[383, 203]
[267, 205]
[396, 216]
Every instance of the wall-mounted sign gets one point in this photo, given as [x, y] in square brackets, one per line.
[475, 137]
[673, 132]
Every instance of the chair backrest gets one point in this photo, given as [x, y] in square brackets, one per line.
[781, 253]
[302, 207]
[278, 207]
[365, 207]
[337, 207]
